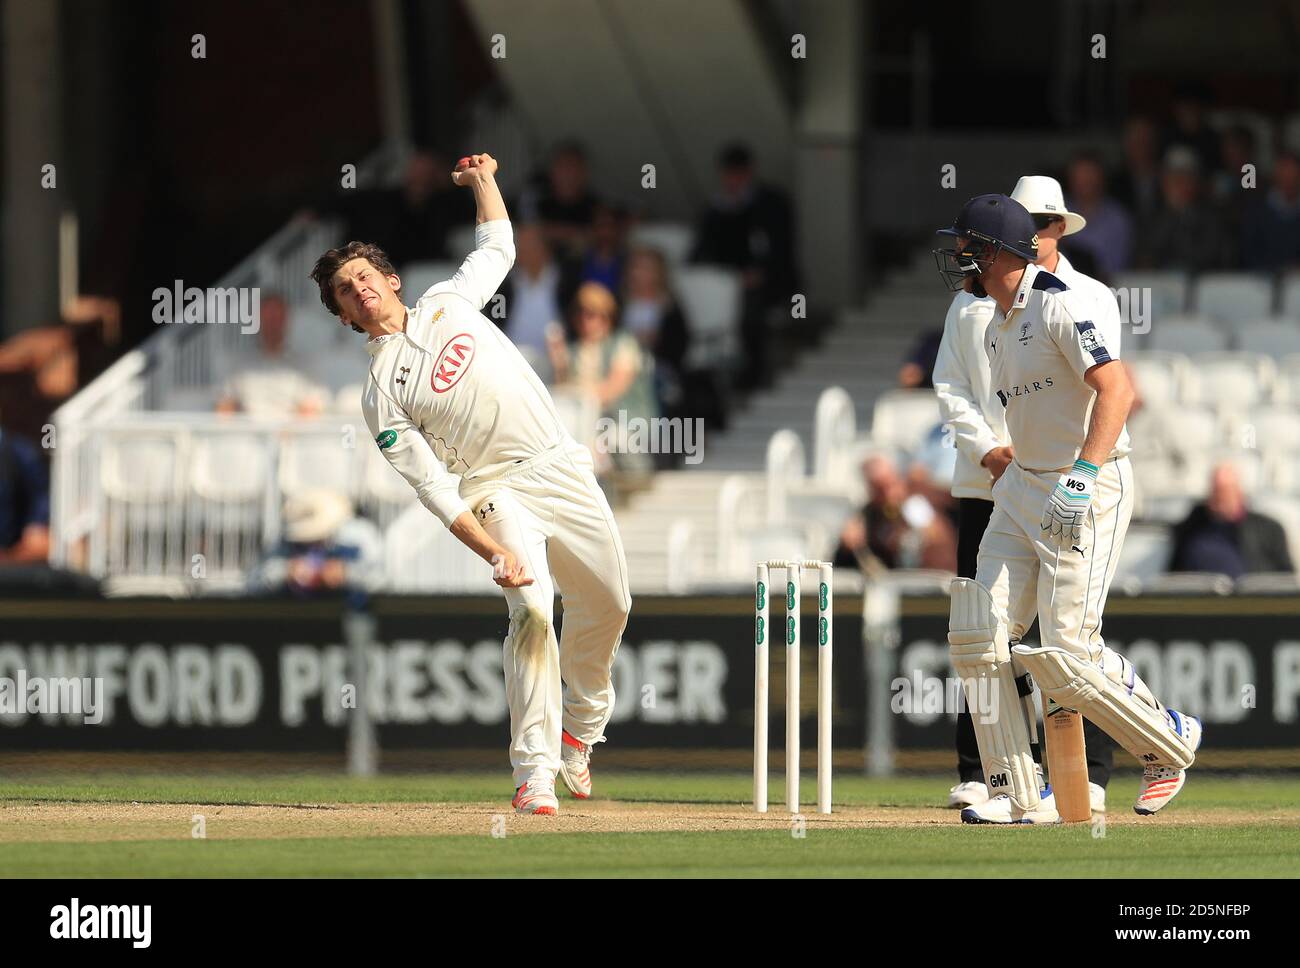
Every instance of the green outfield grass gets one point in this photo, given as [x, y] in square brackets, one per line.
[1219, 827]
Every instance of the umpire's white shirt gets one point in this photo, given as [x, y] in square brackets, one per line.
[451, 398]
[1038, 354]
[966, 398]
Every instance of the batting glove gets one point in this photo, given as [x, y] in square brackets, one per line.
[1068, 504]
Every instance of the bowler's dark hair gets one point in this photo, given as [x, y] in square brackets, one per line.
[333, 260]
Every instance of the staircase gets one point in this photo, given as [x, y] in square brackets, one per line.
[862, 353]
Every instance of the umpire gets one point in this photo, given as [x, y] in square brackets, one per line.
[971, 408]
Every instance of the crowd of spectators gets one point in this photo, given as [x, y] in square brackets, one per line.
[1187, 195]
[588, 307]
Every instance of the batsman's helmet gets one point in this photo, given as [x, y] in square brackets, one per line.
[986, 225]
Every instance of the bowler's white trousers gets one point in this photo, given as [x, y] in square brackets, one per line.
[551, 514]
[1028, 575]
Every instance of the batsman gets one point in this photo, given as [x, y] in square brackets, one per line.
[1061, 510]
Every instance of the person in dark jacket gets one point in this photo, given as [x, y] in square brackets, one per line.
[24, 503]
[1222, 535]
[749, 226]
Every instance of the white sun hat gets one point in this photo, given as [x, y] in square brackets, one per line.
[1041, 195]
[315, 515]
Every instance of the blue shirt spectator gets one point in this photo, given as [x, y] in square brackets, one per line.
[1108, 236]
[24, 502]
[1270, 230]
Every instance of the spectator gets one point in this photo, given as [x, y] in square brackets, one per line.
[609, 364]
[1222, 535]
[1270, 230]
[1107, 237]
[606, 255]
[325, 548]
[1136, 185]
[651, 314]
[273, 383]
[563, 201]
[917, 372]
[1186, 233]
[1189, 128]
[933, 464]
[748, 226]
[24, 503]
[535, 293]
[898, 530]
[1238, 150]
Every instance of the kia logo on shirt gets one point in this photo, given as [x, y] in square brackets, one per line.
[452, 362]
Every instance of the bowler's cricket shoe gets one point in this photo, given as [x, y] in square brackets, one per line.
[967, 794]
[1000, 810]
[537, 796]
[575, 765]
[1097, 798]
[1160, 784]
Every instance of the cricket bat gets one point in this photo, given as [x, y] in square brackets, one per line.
[1067, 764]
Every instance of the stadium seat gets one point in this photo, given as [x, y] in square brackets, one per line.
[320, 459]
[230, 474]
[1290, 300]
[1234, 295]
[1275, 337]
[1158, 376]
[1284, 474]
[902, 419]
[419, 554]
[1286, 384]
[672, 239]
[348, 399]
[140, 474]
[230, 467]
[1229, 381]
[1168, 289]
[1191, 429]
[385, 494]
[711, 299]
[1146, 552]
[578, 412]
[418, 277]
[142, 468]
[1186, 334]
[1270, 428]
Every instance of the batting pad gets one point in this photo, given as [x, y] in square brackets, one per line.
[977, 642]
[1077, 684]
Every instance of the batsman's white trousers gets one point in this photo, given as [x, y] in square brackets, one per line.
[551, 514]
[1028, 575]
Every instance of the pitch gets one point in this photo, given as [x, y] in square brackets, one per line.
[643, 825]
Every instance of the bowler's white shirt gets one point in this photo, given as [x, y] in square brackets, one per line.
[1038, 355]
[450, 397]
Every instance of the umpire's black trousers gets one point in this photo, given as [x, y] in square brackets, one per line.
[973, 517]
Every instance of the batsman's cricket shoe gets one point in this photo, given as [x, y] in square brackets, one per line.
[1160, 784]
[967, 794]
[537, 796]
[575, 766]
[1000, 810]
